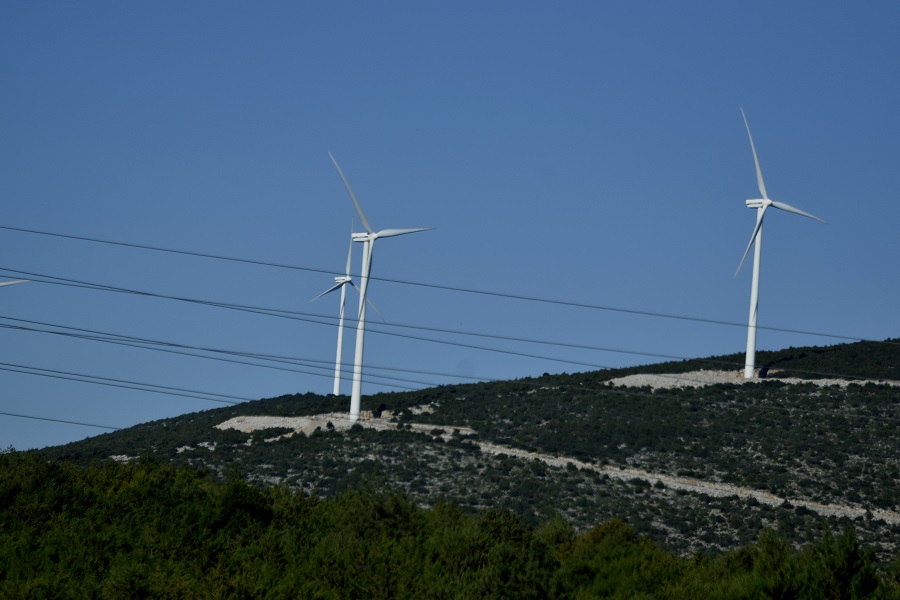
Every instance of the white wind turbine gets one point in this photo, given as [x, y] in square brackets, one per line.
[368, 240]
[14, 282]
[342, 282]
[760, 204]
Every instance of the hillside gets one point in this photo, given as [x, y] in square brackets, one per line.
[703, 468]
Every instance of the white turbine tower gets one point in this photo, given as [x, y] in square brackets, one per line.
[342, 282]
[760, 204]
[368, 240]
[14, 282]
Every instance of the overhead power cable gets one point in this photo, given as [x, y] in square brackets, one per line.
[220, 354]
[376, 327]
[272, 312]
[326, 367]
[490, 293]
[122, 383]
[316, 318]
[288, 314]
[248, 261]
[114, 338]
[65, 421]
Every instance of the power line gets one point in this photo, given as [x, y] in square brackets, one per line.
[679, 376]
[316, 318]
[490, 293]
[123, 383]
[36, 418]
[375, 328]
[297, 314]
[148, 344]
[261, 263]
[167, 347]
[134, 341]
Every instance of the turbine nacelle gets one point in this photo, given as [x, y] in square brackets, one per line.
[765, 203]
[384, 233]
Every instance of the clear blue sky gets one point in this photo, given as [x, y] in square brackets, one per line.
[590, 152]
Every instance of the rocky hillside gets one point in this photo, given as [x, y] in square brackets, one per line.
[698, 466]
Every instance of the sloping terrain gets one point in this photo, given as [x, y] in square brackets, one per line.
[696, 468]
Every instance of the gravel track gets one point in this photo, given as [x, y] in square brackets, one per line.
[704, 378]
[340, 422]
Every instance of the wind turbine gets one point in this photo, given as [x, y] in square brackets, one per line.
[14, 282]
[368, 241]
[342, 282]
[761, 205]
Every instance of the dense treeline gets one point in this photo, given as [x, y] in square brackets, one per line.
[149, 529]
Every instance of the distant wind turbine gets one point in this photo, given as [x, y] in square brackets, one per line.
[341, 283]
[760, 204]
[368, 240]
[14, 282]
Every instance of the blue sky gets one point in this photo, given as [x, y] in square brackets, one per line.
[588, 152]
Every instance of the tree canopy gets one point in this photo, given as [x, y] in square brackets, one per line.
[150, 529]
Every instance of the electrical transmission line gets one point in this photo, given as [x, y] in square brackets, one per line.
[458, 289]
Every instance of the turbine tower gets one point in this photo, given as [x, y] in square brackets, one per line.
[760, 204]
[368, 241]
[342, 282]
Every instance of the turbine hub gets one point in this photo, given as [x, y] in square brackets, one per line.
[757, 203]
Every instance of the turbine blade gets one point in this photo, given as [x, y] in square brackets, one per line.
[14, 282]
[349, 256]
[329, 290]
[378, 312]
[394, 232]
[359, 210]
[796, 211]
[369, 302]
[759, 177]
[756, 229]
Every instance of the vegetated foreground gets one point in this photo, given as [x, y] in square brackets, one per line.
[149, 529]
[697, 468]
